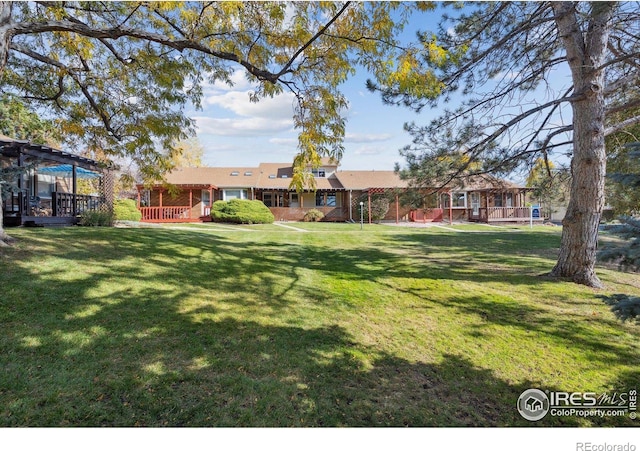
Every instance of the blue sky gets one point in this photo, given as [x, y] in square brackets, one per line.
[236, 132]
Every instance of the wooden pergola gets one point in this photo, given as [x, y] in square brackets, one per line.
[65, 206]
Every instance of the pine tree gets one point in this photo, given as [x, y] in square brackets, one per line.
[626, 307]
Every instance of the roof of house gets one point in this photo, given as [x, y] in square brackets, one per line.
[278, 176]
[362, 180]
[486, 182]
[12, 147]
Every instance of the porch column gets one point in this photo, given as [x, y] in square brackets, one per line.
[139, 200]
[190, 201]
[74, 188]
[210, 197]
[450, 207]
[369, 196]
[397, 209]
[160, 197]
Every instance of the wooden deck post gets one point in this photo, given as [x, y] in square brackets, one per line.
[397, 209]
[74, 188]
[190, 201]
[369, 195]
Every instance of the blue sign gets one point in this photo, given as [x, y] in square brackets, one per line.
[535, 212]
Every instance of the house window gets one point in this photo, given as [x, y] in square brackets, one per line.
[459, 200]
[497, 200]
[293, 200]
[46, 186]
[267, 199]
[229, 194]
[326, 199]
[320, 172]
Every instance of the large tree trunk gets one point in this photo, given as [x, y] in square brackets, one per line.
[5, 32]
[577, 256]
[5, 39]
[585, 54]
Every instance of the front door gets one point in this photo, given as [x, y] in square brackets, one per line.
[475, 204]
[206, 202]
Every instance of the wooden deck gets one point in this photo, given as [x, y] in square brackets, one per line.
[502, 214]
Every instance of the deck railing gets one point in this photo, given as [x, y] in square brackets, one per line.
[68, 204]
[508, 213]
[166, 214]
[426, 215]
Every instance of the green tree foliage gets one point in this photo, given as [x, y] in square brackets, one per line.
[504, 64]
[626, 256]
[550, 185]
[379, 206]
[241, 211]
[621, 161]
[119, 75]
[18, 121]
[188, 154]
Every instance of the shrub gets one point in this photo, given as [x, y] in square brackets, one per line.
[379, 207]
[96, 219]
[313, 216]
[241, 212]
[126, 210]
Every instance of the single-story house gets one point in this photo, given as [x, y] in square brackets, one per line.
[45, 186]
[189, 194]
[484, 198]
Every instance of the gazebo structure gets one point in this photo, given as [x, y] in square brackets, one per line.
[45, 183]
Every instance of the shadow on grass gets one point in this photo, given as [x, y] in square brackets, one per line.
[136, 356]
[162, 369]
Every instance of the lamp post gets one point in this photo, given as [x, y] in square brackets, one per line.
[361, 214]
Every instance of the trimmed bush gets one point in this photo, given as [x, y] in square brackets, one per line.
[313, 216]
[126, 210]
[96, 219]
[241, 212]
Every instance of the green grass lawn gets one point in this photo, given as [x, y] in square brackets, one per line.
[267, 326]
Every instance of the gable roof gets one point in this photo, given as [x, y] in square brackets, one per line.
[235, 177]
[278, 176]
[11, 147]
[362, 180]
[486, 182]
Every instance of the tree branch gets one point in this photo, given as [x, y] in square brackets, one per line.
[621, 125]
[320, 32]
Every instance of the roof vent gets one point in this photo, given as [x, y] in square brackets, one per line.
[272, 176]
[284, 176]
[248, 173]
[235, 173]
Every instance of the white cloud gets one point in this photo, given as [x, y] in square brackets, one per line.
[278, 107]
[284, 141]
[366, 137]
[370, 150]
[241, 127]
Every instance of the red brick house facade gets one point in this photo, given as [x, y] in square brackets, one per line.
[190, 192]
